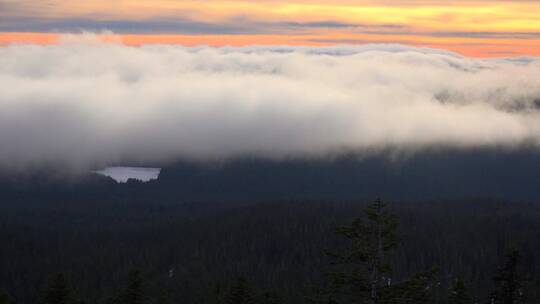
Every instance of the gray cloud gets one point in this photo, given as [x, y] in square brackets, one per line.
[238, 25]
[10, 7]
[163, 25]
[404, 31]
[84, 102]
[336, 24]
[178, 25]
[485, 35]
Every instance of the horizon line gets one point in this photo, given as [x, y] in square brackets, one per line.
[467, 47]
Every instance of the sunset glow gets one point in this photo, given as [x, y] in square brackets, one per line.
[474, 28]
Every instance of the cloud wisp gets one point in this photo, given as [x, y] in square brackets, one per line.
[84, 103]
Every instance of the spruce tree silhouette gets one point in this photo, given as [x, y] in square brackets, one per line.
[363, 274]
[270, 297]
[58, 291]
[4, 298]
[134, 292]
[509, 282]
[240, 293]
[459, 293]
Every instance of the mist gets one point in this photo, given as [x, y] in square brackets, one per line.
[85, 103]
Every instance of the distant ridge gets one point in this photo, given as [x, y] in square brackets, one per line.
[442, 174]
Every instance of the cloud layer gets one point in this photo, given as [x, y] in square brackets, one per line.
[84, 103]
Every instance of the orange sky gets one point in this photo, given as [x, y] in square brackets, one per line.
[473, 28]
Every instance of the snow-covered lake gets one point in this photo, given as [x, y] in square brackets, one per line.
[122, 174]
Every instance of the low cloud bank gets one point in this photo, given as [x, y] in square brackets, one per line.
[84, 103]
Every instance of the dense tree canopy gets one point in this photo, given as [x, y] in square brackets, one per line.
[192, 248]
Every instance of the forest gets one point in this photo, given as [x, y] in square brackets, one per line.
[215, 235]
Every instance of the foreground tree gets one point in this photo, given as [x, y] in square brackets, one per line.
[416, 290]
[134, 290]
[4, 298]
[364, 273]
[164, 297]
[459, 293]
[240, 293]
[271, 297]
[509, 282]
[58, 291]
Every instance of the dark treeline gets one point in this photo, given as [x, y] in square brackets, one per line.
[196, 253]
[427, 175]
[211, 233]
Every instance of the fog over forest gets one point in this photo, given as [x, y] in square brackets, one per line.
[269, 152]
[85, 103]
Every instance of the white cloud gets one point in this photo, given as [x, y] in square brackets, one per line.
[84, 102]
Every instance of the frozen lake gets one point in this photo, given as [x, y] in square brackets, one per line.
[122, 174]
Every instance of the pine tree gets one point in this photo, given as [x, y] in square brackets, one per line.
[270, 297]
[365, 260]
[4, 298]
[416, 290]
[216, 293]
[134, 292]
[58, 291]
[163, 297]
[508, 282]
[459, 293]
[364, 274]
[240, 293]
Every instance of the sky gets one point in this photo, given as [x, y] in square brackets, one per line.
[478, 28]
